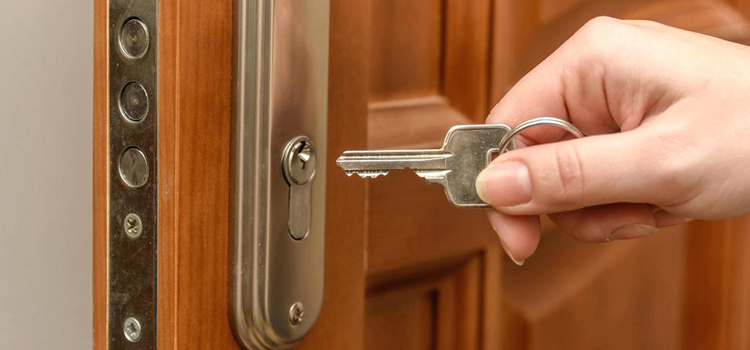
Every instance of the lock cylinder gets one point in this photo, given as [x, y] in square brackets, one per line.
[298, 165]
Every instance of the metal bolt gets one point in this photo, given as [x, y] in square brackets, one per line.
[133, 167]
[132, 329]
[133, 225]
[134, 38]
[134, 102]
[299, 161]
[296, 312]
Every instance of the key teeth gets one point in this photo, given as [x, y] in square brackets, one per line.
[367, 174]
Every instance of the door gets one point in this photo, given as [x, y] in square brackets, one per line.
[403, 268]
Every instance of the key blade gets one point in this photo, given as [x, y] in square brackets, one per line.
[376, 163]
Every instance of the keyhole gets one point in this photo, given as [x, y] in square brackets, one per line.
[299, 161]
[303, 154]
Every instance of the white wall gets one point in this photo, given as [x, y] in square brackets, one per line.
[45, 174]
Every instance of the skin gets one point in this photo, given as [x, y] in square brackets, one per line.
[667, 118]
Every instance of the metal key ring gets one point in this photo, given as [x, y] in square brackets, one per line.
[536, 122]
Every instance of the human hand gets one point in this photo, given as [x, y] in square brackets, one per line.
[668, 117]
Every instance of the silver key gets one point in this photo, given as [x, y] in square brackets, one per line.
[467, 150]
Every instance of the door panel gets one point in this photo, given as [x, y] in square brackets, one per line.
[414, 34]
[625, 295]
[428, 68]
[432, 269]
[433, 307]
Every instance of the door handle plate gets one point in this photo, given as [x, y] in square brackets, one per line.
[280, 96]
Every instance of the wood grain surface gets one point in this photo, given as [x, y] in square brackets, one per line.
[341, 321]
[166, 297]
[100, 149]
[717, 278]
[433, 270]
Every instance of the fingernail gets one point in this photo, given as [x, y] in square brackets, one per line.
[632, 231]
[504, 185]
[507, 252]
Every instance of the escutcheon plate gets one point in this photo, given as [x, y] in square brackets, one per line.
[280, 92]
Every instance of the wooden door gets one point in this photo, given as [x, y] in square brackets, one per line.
[405, 269]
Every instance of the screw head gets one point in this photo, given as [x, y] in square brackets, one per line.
[134, 38]
[133, 167]
[296, 312]
[299, 161]
[132, 225]
[132, 329]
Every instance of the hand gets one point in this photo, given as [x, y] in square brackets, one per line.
[667, 114]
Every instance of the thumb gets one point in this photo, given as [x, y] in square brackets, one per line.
[574, 174]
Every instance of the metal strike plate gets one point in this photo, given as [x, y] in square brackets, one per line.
[280, 94]
[132, 183]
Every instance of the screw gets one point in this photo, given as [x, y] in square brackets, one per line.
[132, 329]
[299, 161]
[133, 225]
[296, 312]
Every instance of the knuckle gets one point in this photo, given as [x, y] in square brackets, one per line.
[679, 156]
[668, 175]
[600, 22]
[598, 27]
[569, 185]
[602, 37]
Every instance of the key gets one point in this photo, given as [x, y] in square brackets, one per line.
[466, 151]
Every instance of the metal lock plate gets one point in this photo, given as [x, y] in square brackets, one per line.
[278, 204]
[132, 183]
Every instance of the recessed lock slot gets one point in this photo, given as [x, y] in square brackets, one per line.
[298, 164]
